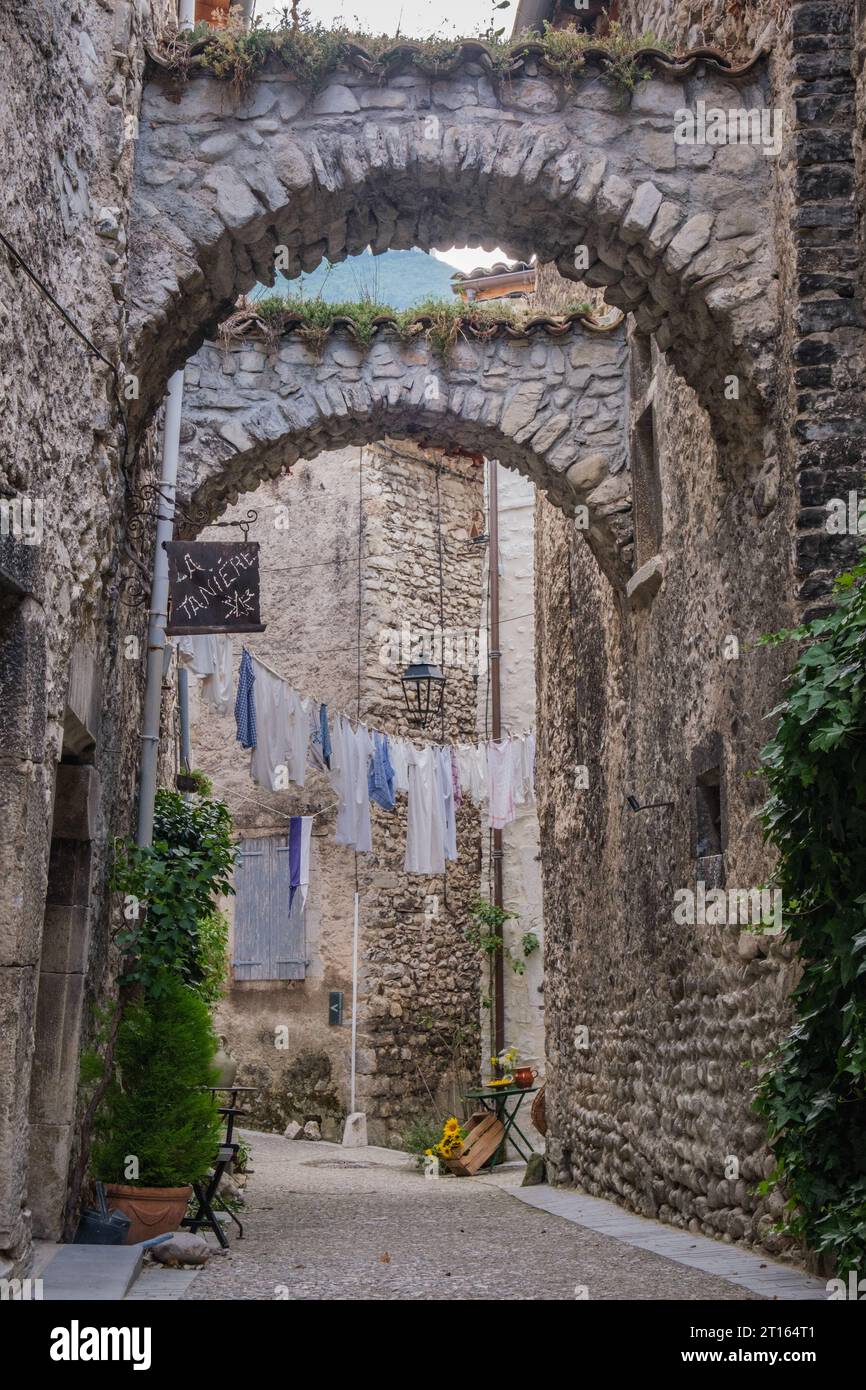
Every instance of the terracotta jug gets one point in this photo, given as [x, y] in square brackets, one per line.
[524, 1076]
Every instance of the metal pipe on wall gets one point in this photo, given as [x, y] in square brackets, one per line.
[186, 13]
[158, 611]
[183, 707]
[354, 1064]
[494, 657]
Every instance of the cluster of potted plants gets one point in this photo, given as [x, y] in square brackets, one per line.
[156, 1126]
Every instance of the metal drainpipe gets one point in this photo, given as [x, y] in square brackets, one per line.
[159, 611]
[494, 656]
[183, 706]
[186, 13]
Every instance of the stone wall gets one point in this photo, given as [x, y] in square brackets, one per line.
[650, 1023]
[421, 978]
[674, 232]
[654, 1028]
[70, 80]
[550, 403]
[521, 864]
[735, 27]
[418, 996]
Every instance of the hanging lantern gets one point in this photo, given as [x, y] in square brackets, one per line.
[424, 689]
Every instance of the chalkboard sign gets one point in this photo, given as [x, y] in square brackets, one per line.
[213, 587]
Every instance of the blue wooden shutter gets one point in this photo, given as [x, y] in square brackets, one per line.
[269, 941]
[252, 911]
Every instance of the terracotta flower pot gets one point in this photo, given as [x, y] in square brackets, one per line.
[152, 1211]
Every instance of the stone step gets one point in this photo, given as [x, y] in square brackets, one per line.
[160, 1285]
[90, 1273]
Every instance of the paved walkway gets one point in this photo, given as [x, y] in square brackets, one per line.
[324, 1222]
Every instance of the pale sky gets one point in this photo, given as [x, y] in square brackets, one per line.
[417, 19]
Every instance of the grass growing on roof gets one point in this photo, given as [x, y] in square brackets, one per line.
[310, 51]
[441, 321]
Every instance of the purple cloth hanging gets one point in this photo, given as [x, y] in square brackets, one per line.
[296, 825]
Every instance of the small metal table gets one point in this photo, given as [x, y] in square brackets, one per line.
[231, 1111]
[495, 1099]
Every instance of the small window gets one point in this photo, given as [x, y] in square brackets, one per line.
[708, 814]
[646, 488]
[640, 364]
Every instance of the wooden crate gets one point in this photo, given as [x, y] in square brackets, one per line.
[483, 1137]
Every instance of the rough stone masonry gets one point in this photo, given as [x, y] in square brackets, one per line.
[676, 234]
[551, 404]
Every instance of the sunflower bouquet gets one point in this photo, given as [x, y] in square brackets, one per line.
[503, 1064]
[451, 1143]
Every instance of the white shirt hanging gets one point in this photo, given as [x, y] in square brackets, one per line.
[449, 811]
[472, 770]
[353, 815]
[500, 769]
[398, 750]
[272, 729]
[210, 656]
[298, 734]
[518, 772]
[425, 828]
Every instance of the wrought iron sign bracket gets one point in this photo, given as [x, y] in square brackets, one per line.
[145, 510]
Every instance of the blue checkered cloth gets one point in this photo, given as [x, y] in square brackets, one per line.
[245, 703]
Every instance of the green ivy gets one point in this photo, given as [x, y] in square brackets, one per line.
[814, 1094]
[170, 887]
[485, 928]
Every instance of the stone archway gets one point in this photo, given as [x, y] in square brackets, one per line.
[675, 233]
[550, 403]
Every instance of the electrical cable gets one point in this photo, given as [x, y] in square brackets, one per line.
[46, 294]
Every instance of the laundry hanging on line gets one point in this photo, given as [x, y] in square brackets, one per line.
[300, 832]
[210, 656]
[287, 732]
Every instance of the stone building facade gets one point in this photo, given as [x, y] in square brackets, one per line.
[656, 1030]
[350, 589]
[70, 88]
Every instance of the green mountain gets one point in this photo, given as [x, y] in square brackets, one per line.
[398, 278]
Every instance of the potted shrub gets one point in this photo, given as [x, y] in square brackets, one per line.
[157, 1128]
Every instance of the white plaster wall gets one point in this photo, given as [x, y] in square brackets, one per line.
[524, 996]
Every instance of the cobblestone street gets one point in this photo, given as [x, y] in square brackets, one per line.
[324, 1222]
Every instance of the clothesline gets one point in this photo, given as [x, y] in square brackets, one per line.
[355, 719]
[273, 810]
[288, 734]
